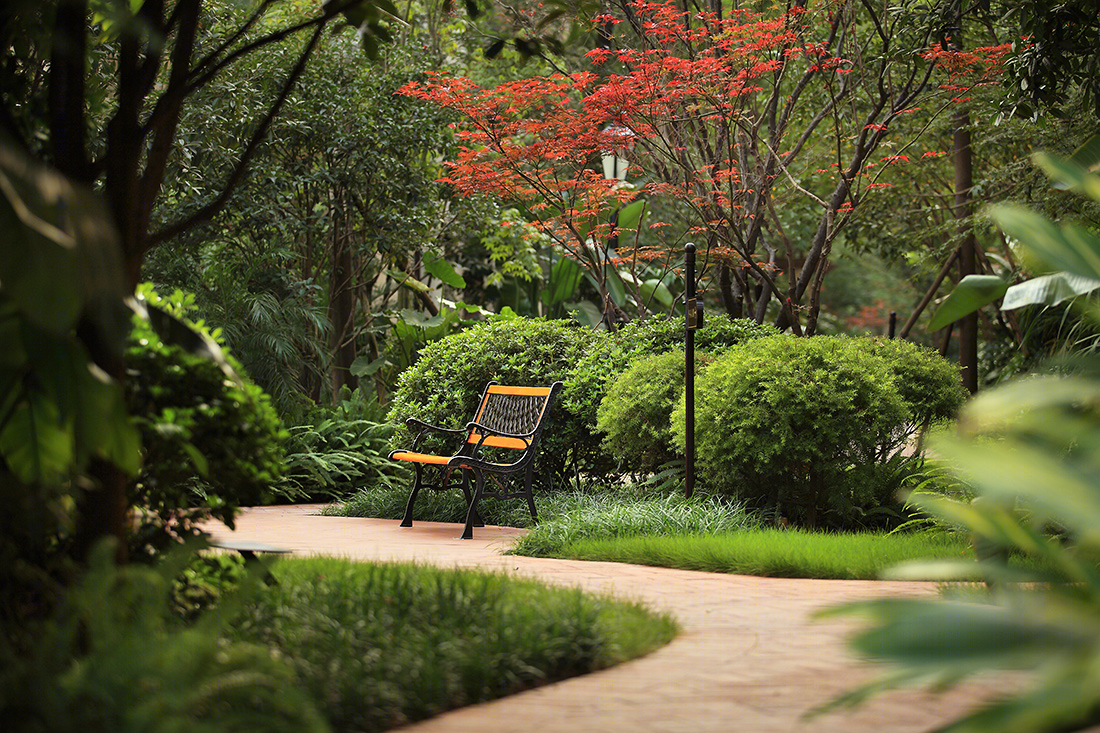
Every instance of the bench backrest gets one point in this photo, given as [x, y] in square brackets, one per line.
[516, 410]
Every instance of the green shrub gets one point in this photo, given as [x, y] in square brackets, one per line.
[636, 412]
[338, 450]
[210, 439]
[114, 659]
[929, 385]
[718, 333]
[605, 361]
[796, 424]
[444, 385]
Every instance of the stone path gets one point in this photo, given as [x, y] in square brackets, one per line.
[750, 659]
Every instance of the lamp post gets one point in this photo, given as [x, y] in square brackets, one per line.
[693, 316]
[615, 168]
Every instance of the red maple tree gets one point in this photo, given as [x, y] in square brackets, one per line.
[743, 117]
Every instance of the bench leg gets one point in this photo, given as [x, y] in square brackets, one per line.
[528, 478]
[472, 517]
[466, 493]
[407, 520]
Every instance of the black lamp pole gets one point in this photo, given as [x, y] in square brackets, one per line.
[691, 322]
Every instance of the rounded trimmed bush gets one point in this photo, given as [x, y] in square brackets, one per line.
[929, 384]
[444, 385]
[795, 424]
[718, 333]
[604, 362]
[637, 409]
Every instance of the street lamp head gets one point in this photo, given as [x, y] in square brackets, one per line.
[615, 166]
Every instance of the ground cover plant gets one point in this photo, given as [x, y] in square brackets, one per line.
[332, 451]
[381, 645]
[578, 515]
[777, 553]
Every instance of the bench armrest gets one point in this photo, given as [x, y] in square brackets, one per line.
[413, 422]
[425, 428]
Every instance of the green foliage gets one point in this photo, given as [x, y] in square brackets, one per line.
[928, 384]
[798, 425]
[572, 517]
[444, 385]
[210, 438]
[205, 579]
[602, 364]
[382, 645]
[776, 553]
[636, 412]
[114, 659]
[1030, 451]
[718, 333]
[336, 451]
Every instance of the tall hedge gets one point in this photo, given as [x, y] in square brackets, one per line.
[211, 441]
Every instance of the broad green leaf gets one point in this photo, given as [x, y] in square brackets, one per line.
[962, 570]
[101, 424]
[438, 267]
[1049, 289]
[408, 281]
[1088, 155]
[631, 214]
[198, 460]
[565, 278]
[420, 320]
[1069, 249]
[364, 367]
[1009, 470]
[61, 252]
[615, 286]
[36, 445]
[993, 409]
[656, 290]
[585, 312]
[968, 636]
[1070, 175]
[972, 292]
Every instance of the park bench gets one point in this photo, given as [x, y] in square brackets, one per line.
[508, 419]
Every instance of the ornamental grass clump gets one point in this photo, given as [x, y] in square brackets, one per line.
[383, 645]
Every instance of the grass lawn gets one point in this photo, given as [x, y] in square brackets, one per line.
[713, 534]
[382, 645]
[774, 552]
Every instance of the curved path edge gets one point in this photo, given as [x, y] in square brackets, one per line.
[750, 658]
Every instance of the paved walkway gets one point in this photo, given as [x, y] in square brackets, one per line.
[749, 658]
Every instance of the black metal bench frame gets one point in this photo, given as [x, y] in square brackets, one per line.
[508, 417]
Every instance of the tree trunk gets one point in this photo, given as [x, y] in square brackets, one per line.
[964, 209]
[341, 307]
